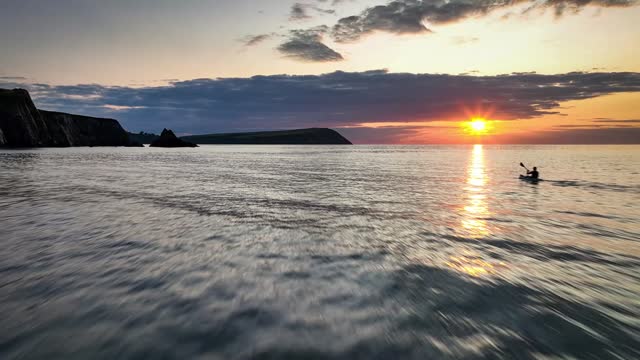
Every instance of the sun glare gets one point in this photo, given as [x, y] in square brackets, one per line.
[477, 126]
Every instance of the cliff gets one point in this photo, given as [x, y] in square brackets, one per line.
[78, 130]
[22, 125]
[313, 136]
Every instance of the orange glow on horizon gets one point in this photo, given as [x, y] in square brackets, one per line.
[501, 129]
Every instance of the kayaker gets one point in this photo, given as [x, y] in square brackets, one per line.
[534, 173]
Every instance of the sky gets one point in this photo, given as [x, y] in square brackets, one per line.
[403, 71]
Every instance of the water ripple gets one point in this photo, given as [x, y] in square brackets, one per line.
[283, 252]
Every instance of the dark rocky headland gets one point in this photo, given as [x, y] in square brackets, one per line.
[312, 136]
[168, 139]
[23, 125]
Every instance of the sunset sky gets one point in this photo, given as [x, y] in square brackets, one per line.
[405, 71]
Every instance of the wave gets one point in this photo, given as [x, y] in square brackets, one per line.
[595, 185]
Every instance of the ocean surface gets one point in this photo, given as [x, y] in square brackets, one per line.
[318, 252]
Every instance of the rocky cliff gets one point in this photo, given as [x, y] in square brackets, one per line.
[77, 130]
[313, 136]
[22, 125]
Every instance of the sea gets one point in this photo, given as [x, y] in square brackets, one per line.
[320, 252]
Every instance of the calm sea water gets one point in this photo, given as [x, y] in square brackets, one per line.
[364, 252]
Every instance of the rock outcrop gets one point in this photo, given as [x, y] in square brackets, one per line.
[169, 140]
[313, 136]
[23, 125]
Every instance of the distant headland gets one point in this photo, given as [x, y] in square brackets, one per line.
[23, 125]
[312, 136]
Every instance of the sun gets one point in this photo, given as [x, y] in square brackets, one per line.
[477, 125]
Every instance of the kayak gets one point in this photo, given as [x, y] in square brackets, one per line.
[529, 179]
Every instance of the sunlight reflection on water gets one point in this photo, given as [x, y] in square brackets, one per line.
[475, 267]
[476, 209]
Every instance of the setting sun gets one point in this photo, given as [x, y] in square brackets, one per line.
[477, 125]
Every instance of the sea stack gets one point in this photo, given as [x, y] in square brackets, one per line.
[169, 140]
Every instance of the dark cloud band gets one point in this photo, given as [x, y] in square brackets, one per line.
[330, 100]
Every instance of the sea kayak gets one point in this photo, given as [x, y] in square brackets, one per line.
[529, 179]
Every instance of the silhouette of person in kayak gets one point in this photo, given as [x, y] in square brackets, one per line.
[533, 173]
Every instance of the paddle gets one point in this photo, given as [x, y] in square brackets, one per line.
[521, 164]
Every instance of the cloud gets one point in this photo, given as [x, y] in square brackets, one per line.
[379, 135]
[306, 45]
[121, 108]
[300, 11]
[406, 17]
[590, 126]
[633, 121]
[253, 40]
[12, 78]
[419, 134]
[611, 135]
[335, 2]
[410, 16]
[462, 40]
[338, 99]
